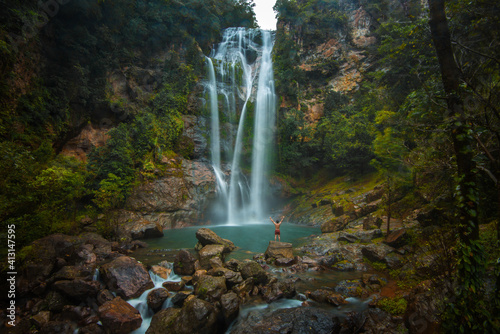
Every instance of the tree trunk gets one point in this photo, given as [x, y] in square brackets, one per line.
[462, 141]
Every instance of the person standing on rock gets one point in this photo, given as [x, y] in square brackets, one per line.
[277, 228]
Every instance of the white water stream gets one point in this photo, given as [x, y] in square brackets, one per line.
[240, 73]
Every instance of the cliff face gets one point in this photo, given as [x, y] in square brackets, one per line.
[336, 61]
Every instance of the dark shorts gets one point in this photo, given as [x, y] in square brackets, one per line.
[277, 232]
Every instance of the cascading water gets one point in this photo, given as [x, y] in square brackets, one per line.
[241, 72]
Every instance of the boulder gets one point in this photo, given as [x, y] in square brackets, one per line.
[208, 252]
[284, 261]
[206, 237]
[146, 230]
[161, 271]
[271, 292]
[252, 269]
[195, 316]
[230, 306]
[327, 296]
[376, 252]
[184, 263]
[118, 316]
[336, 224]
[277, 249]
[397, 238]
[347, 237]
[210, 288]
[156, 298]
[232, 277]
[164, 321]
[78, 288]
[180, 297]
[59, 327]
[173, 286]
[127, 277]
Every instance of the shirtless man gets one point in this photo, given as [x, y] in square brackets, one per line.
[277, 227]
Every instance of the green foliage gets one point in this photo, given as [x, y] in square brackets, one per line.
[394, 306]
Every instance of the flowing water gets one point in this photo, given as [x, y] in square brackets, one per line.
[240, 90]
[241, 81]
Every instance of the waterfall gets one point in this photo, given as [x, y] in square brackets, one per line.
[240, 71]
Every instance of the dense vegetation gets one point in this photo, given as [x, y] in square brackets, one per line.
[55, 64]
[425, 116]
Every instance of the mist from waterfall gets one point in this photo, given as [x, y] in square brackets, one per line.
[241, 84]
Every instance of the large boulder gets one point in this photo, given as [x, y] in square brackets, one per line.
[118, 316]
[78, 288]
[208, 252]
[277, 249]
[397, 238]
[230, 305]
[127, 277]
[327, 296]
[184, 263]
[206, 237]
[252, 269]
[336, 224]
[156, 298]
[195, 316]
[377, 252]
[210, 288]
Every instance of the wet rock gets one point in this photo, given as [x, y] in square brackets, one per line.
[277, 249]
[84, 254]
[164, 321]
[232, 277]
[161, 271]
[208, 252]
[118, 316]
[336, 224]
[284, 261]
[41, 318]
[55, 301]
[180, 297]
[173, 286]
[244, 289]
[368, 236]
[252, 269]
[206, 237]
[127, 277]
[78, 288]
[156, 298]
[378, 321]
[291, 320]
[184, 263]
[271, 292]
[210, 288]
[216, 262]
[146, 230]
[397, 238]
[327, 296]
[230, 306]
[104, 296]
[350, 288]
[196, 316]
[58, 327]
[376, 253]
[348, 237]
[233, 265]
[91, 329]
[69, 273]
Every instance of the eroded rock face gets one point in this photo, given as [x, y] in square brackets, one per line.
[119, 317]
[175, 200]
[127, 277]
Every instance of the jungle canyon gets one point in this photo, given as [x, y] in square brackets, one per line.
[129, 126]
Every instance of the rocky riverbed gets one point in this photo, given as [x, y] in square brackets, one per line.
[83, 284]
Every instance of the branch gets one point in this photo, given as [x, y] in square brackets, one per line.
[477, 52]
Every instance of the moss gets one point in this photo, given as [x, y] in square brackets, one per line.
[394, 306]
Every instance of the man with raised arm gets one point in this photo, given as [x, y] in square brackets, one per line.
[277, 228]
